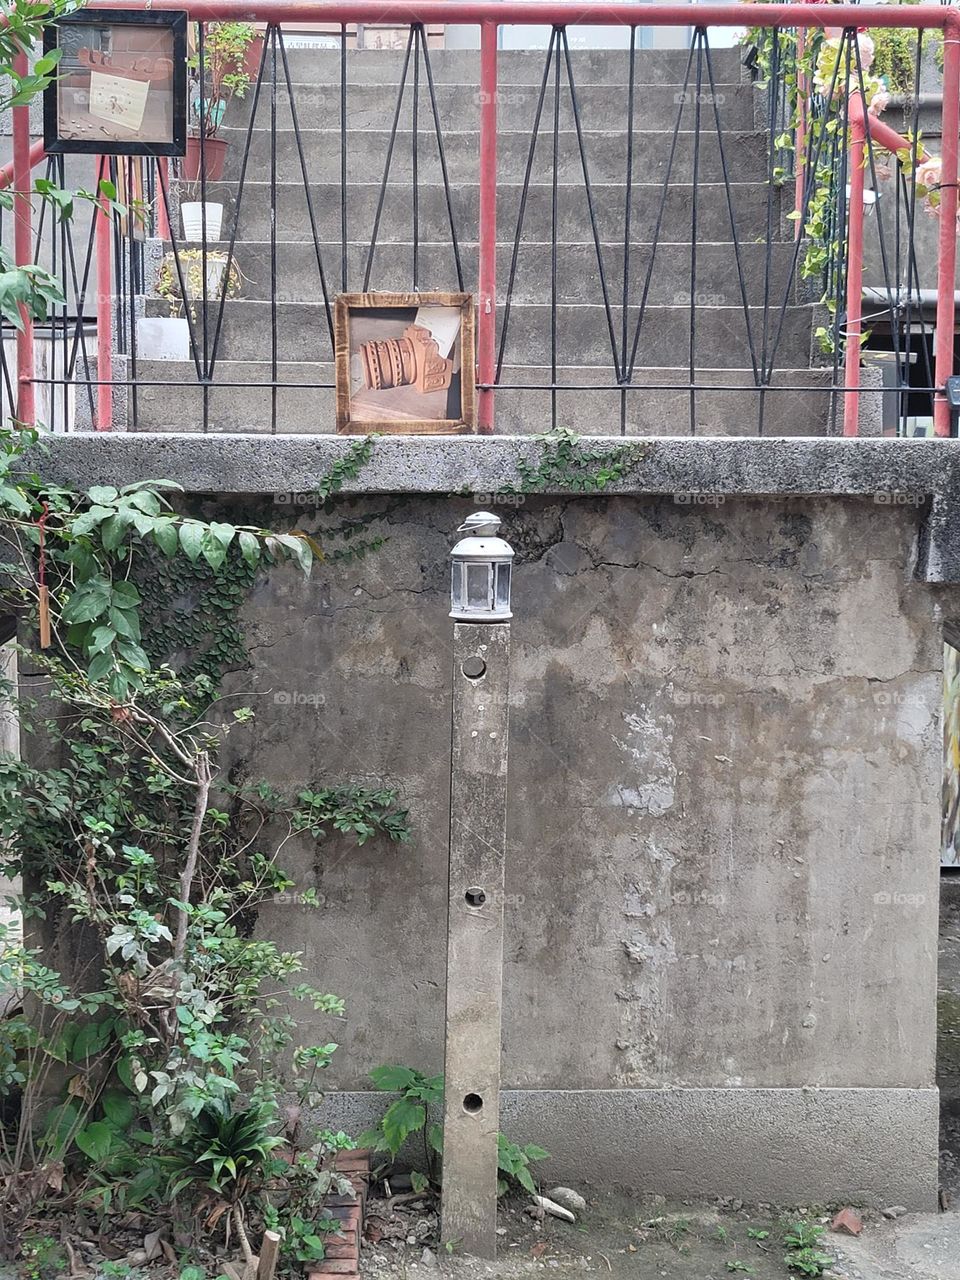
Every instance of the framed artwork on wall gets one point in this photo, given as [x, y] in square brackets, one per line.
[405, 362]
[120, 86]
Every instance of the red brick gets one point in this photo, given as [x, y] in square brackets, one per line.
[848, 1221]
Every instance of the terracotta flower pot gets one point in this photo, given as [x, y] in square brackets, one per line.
[214, 154]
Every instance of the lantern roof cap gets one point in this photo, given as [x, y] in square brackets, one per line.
[480, 524]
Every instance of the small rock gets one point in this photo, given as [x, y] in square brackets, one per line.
[555, 1210]
[411, 1239]
[895, 1211]
[848, 1221]
[501, 1231]
[428, 1258]
[569, 1199]
[137, 1258]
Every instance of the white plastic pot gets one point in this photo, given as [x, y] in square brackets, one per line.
[192, 215]
[216, 269]
[163, 338]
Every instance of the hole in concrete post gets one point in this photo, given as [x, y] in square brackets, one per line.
[472, 1103]
[475, 896]
[474, 668]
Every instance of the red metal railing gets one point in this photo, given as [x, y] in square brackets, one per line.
[490, 14]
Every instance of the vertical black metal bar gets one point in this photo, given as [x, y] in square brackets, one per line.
[133, 277]
[238, 201]
[554, 229]
[441, 152]
[205, 108]
[311, 212]
[627, 211]
[768, 245]
[522, 209]
[658, 225]
[842, 214]
[386, 168]
[343, 157]
[417, 30]
[698, 39]
[65, 345]
[274, 344]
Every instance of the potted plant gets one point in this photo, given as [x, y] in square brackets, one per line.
[225, 77]
[168, 337]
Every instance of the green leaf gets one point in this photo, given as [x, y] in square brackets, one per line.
[522, 1175]
[393, 1079]
[118, 1108]
[249, 547]
[133, 654]
[435, 1137]
[124, 622]
[214, 552]
[165, 536]
[96, 1140]
[400, 1119]
[13, 498]
[191, 539]
[102, 493]
[102, 639]
[88, 602]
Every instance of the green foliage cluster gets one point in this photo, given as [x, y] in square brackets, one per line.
[804, 1255]
[567, 464]
[409, 1114]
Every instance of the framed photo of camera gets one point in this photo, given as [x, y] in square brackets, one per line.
[405, 362]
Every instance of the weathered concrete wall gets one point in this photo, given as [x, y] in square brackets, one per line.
[723, 823]
[723, 827]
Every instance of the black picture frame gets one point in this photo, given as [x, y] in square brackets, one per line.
[176, 22]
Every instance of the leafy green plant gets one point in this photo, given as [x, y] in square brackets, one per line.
[734, 1264]
[225, 47]
[566, 463]
[757, 1233]
[803, 1254]
[409, 1114]
[515, 1161]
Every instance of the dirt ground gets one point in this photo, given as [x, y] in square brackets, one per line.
[620, 1236]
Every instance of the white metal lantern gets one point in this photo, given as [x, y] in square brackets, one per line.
[480, 572]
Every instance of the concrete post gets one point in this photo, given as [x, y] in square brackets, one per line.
[478, 793]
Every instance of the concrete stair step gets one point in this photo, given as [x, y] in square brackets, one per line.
[582, 331]
[713, 220]
[298, 278]
[658, 407]
[515, 66]
[744, 152]
[372, 106]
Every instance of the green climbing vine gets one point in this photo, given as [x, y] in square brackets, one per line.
[566, 463]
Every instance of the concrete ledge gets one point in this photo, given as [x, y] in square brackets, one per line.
[891, 473]
[250, 464]
[783, 1146]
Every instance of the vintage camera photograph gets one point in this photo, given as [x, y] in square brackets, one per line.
[405, 362]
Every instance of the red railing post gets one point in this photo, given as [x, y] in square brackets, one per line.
[487, 234]
[947, 261]
[26, 408]
[104, 303]
[853, 327]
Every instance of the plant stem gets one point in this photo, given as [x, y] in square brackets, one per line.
[193, 851]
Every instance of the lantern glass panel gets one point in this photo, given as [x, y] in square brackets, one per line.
[503, 586]
[478, 586]
[456, 585]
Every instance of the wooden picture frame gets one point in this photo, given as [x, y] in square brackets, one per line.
[393, 363]
[120, 88]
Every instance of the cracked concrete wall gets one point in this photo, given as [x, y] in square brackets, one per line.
[723, 825]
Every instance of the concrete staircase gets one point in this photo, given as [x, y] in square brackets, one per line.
[304, 347]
